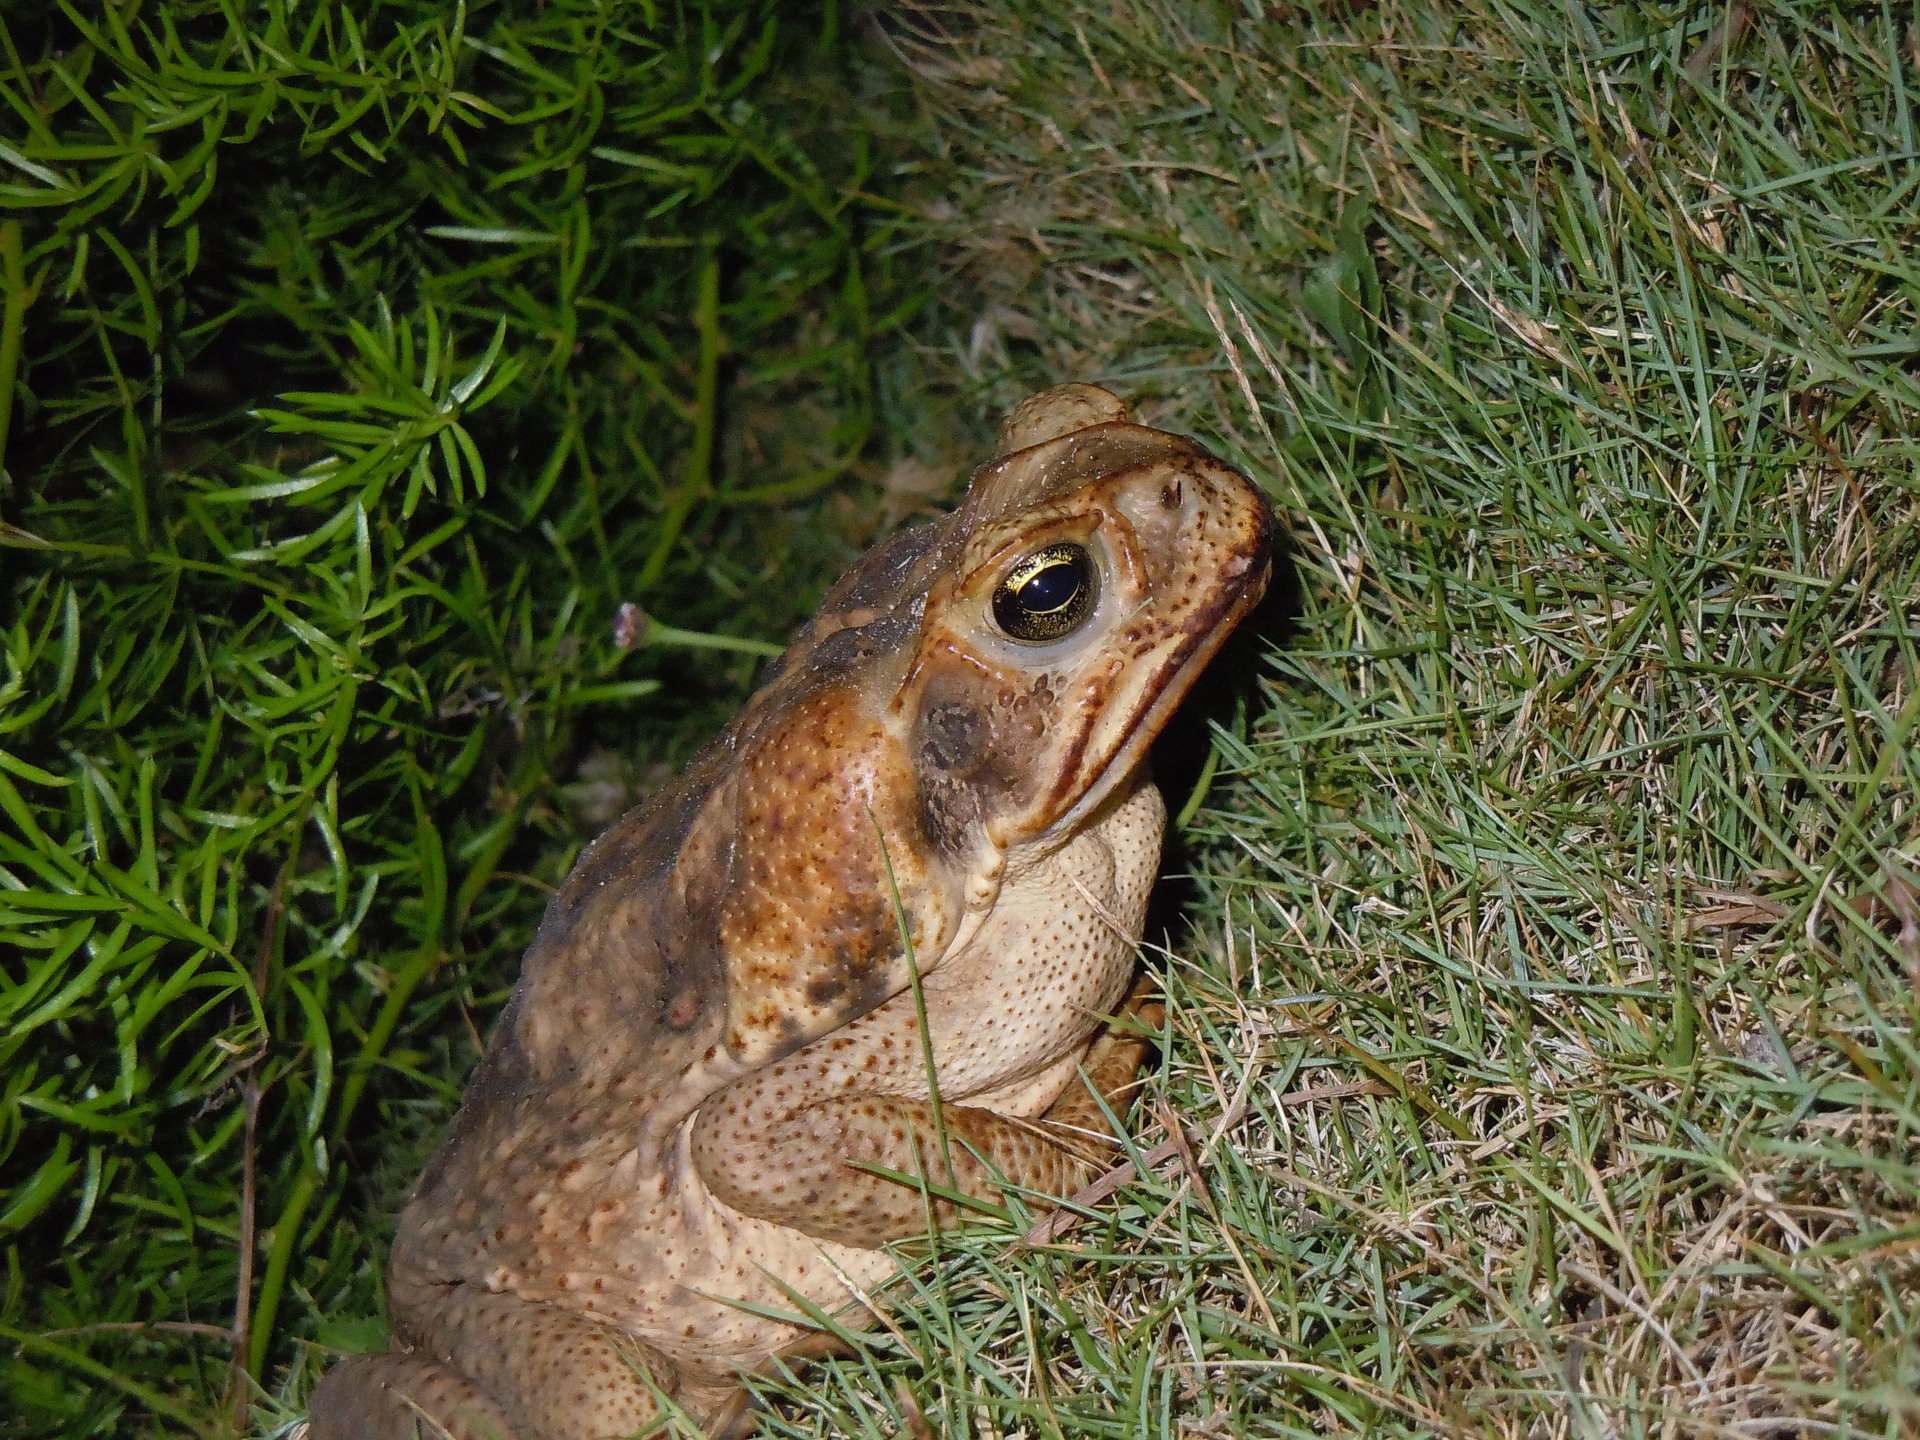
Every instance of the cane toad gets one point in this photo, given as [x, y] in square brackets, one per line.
[716, 1042]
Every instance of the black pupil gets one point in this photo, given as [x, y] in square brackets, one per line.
[1052, 589]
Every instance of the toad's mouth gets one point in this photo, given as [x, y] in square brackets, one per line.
[1099, 757]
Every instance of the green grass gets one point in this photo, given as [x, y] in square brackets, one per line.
[1543, 1006]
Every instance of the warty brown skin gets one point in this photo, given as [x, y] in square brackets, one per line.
[715, 1034]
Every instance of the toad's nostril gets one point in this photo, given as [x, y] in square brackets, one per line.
[1172, 495]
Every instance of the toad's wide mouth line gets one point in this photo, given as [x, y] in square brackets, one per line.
[1201, 637]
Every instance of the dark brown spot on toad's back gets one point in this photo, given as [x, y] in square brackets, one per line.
[683, 1009]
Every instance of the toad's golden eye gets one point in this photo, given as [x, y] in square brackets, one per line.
[1048, 595]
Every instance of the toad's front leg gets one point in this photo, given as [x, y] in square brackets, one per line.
[1014, 1020]
[781, 1146]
